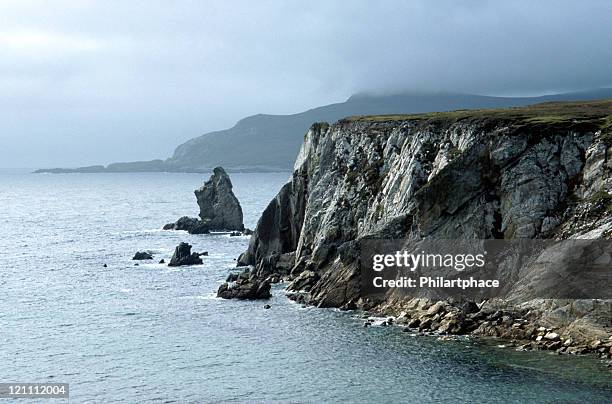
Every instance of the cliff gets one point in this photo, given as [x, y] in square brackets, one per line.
[532, 172]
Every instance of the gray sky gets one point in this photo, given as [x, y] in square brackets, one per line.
[89, 82]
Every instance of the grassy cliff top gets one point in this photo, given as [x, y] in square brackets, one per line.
[594, 114]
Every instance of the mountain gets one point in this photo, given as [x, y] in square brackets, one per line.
[271, 142]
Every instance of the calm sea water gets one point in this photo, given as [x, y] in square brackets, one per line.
[130, 333]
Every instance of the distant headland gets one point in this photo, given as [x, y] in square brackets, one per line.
[270, 143]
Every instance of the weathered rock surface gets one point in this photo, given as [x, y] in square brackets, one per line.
[524, 327]
[303, 282]
[143, 255]
[219, 207]
[536, 172]
[183, 256]
[244, 286]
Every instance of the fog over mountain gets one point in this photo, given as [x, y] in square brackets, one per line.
[92, 82]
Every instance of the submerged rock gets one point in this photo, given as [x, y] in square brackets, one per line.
[219, 207]
[143, 255]
[183, 256]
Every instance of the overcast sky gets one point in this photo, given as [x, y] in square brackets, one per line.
[89, 82]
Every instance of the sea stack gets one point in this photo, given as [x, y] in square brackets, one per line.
[219, 207]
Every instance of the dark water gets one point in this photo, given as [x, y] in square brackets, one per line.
[151, 333]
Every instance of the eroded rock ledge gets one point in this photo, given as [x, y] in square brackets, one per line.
[536, 172]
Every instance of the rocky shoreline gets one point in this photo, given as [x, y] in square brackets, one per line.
[519, 328]
[522, 328]
[541, 172]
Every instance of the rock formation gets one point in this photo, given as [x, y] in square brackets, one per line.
[244, 286]
[183, 256]
[142, 255]
[191, 225]
[219, 208]
[536, 172]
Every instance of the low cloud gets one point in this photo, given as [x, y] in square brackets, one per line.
[80, 80]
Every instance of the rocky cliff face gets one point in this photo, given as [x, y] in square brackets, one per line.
[535, 172]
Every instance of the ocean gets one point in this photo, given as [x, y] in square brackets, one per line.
[126, 333]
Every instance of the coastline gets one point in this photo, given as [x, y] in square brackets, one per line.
[461, 175]
[137, 309]
[523, 327]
